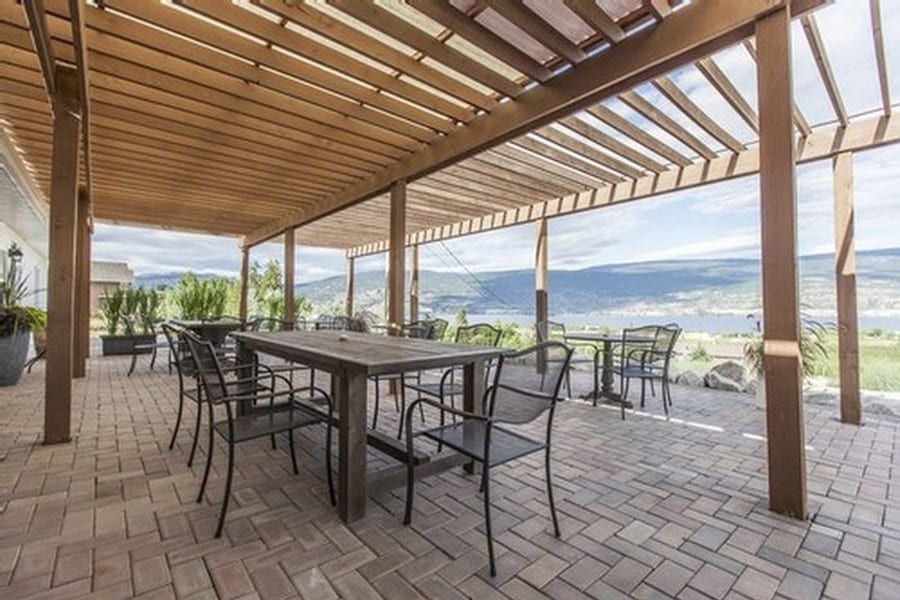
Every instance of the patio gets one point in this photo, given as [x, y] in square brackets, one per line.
[649, 508]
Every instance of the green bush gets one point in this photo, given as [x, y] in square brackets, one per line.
[198, 299]
[699, 354]
[112, 308]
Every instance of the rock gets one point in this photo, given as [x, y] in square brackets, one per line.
[752, 386]
[689, 378]
[729, 376]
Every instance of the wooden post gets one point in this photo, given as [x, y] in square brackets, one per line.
[778, 205]
[414, 284]
[289, 249]
[541, 304]
[845, 278]
[61, 271]
[397, 258]
[348, 301]
[82, 325]
[244, 283]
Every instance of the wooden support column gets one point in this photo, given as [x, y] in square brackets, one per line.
[289, 259]
[414, 284]
[82, 326]
[397, 258]
[845, 278]
[778, 205]
[348, 301]
[244, 283]
[541, 278]
[61, 272]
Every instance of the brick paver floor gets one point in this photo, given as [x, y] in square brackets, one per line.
[649, 508]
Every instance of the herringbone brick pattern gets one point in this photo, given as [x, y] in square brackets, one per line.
[649, 509]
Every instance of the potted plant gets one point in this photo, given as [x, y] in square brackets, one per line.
[116, 307]
[812, 349]
[16, 320]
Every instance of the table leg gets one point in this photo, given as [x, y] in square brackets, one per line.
[473, 392]
[607, 380]
[349, 392]
[245, 356]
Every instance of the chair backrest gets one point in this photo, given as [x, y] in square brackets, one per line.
[325, 322]
[664, 344]
[207, 365]
[549, 330]
[527, 382]
[479, 334]
[177, 349]
[438, 328]
[271, 324]
[638, 343]
[350, 324]
[417, 329]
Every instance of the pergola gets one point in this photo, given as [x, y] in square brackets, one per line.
[315, 121]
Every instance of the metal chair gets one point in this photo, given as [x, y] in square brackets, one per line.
[143, 347]
[546, 331]
[262, 421]
[647, 362]
[448, 386]
[189, 387]
[419, 330]
[526, 387]
[438, 328]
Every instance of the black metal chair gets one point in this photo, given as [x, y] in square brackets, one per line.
[449, 385]
[139, 347]
[438, 328]
[526, 387]
[419, 330]
[546, 331]
[189, 386]
[647, 362]
[262, 421]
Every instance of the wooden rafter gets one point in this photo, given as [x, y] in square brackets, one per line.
[822, 144]
[659, 8]
[694, 31]
[811, 29]
[671, 91]
[596, 17]
[613, 145]
[667, 123]
[723, 84]
[481, 36]
[880, 60]
[525, 19]
[627, 128]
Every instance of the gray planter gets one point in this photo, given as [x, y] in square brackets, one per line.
[13, 351]
[118, 345]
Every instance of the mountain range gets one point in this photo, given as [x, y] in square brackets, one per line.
[707, 286]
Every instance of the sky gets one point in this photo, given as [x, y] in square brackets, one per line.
[713, 221]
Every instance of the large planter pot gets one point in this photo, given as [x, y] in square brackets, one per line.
[118, 345]
[13, 351]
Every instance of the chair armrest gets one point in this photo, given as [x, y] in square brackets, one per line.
[249, 397]
[444, 408]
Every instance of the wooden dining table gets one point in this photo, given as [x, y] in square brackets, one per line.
[352, 358]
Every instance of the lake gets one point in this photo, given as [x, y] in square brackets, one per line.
[711, 323]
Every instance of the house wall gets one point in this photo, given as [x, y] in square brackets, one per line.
[34, 263]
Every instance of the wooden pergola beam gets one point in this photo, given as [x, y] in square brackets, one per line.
[880, 60]
[244, 284]
[862, 135]
[799, 120]
[397, 259]
[596, 17]
[541, 274]
[811, 29]
[351, 273]
[40, 36]
[290, 255]
[76, 14]
[695, 31]
[729, 91]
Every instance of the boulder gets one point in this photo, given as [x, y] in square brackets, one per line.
[729, 376]
[689, 378]
[752, 386]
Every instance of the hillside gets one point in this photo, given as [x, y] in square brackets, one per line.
[676, 287]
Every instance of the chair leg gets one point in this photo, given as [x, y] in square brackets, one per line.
[209, 453]
[643, 391]
[377, 403]
[328, 464]
[178, 420]
[196, 432]
[227, 490]
[666, 394]
[153, 359]
[274, 445]
[293, 452]
[410, 478]
[133, 363]
[487, 518]
[402, 395]
[568, 384]
[550, 492]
